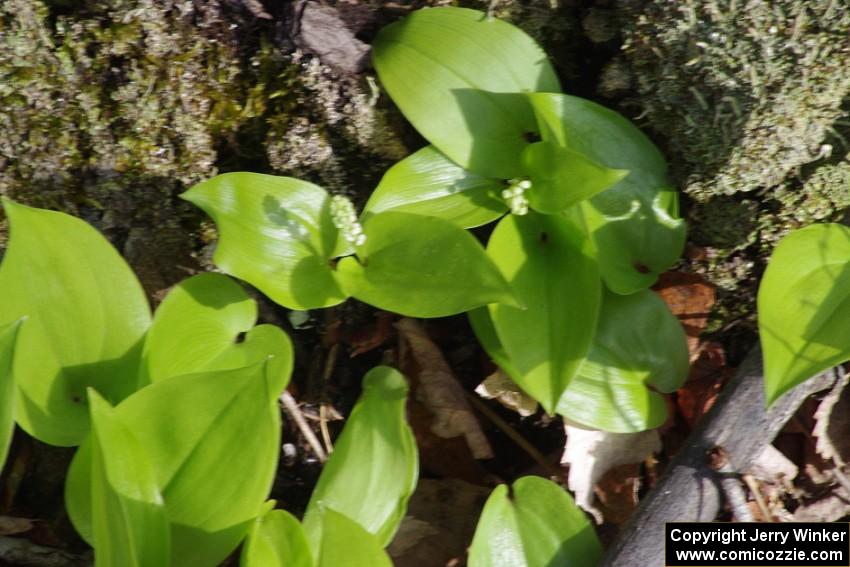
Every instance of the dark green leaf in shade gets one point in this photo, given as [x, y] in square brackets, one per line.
[428, 183]
[639, 350]
[457, 76]
[535, 523]
[421, 267]
[87, 315]
[634, 223]
[549, 262]
[276, 233]
[561, 177]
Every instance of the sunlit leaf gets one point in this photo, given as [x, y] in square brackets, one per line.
[276, 233]
[456, 75]
[8, 339]
[276, 540]
[198, 327]
[345, 542]
[374, 466]
[421, 267]
[561, 177]
[549, 262]
[639, 350]
[213, 440]
[634, 223]
[804, 307]
[428, 183]
[87, 315]
[535, 524]
[129, 522]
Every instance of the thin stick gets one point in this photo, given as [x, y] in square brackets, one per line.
[756, 490]
[538, 457]
[291, 407]
[330, 364]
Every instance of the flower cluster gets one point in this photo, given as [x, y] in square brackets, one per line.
[515, 195]
[345, 219]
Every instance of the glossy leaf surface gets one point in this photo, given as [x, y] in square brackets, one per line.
[87, 315]
[804, 306]
[634, 223]
[276, 540]
[639, 350]
[428, 183]
[373, 469]
[8, 339]
[537, 524]
[562, 178]
[421, 267]
[213, 440]
[129, 521]
[548, 261]
[456, 75]
[198, 327]
[276, 233]
[345, 542]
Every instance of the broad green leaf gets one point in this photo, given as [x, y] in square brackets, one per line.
[548, 261]
[8, 339]
[804, 307]
[421, 267]
[198, 325]
[534, 524]
[276, 540]
[213, 441]
[561, 177]
[373, 469]
[633, 223]
[87, 315]
[428, 183]
[345, 543]
[456, 75]
[276, 233]
[129, 522]
[639, 350]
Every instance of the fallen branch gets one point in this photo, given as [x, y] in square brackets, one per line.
[690, 488]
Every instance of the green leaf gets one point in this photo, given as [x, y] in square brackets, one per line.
[87, 315]
[213, 439]
[198, 325]
[129, 523]
[456, 76]
[639, 350]
[373, 469]
[633, 223]
[549, 262]
[8, 340]
[276, 233]
[535, 524]
[804, 307]
[421, 267]
[561, 177]
[428, 183]
[276, 540]
[345, 542]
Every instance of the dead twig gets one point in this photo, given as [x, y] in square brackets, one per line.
[294, 412]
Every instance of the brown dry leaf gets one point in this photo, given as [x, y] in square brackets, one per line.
[832, 421]
[10, 525]
[373, 336]
[441, 393]
[690, 298]
[617, 492]
[773, 466]
[591, 453]
[441, 519]
[707, 375]
[498, 386]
